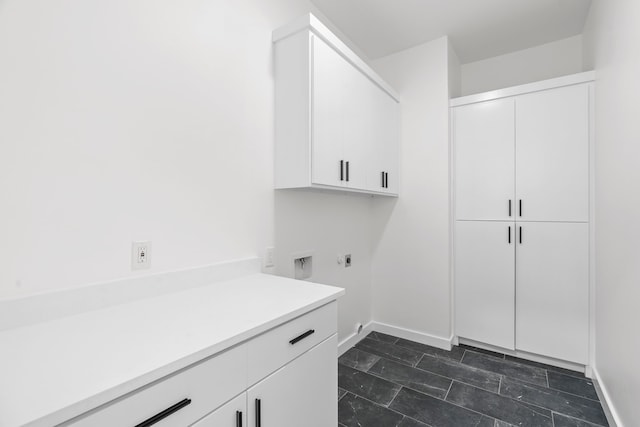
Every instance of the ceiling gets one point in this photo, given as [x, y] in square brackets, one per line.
[478, 29]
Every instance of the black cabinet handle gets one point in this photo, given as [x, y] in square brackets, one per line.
[164, 414]
[386, 180]
[258, 413]
[509, 207]
[520, 206]
[347, 171]
[341, 170]
[238, 418]
[382, 185]
[509, 235]
[301, 337]
[520, 235]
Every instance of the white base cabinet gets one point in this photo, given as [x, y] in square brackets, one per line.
[485, 292]
[302, 393]
[552, 296]
[231, 414]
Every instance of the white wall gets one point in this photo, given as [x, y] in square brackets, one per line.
[611, 37]
[152, 120]
[547, 61]
[411, 247]
[328, 225]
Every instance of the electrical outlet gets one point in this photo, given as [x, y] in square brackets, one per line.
[140, 255]
[347, 260]
[269, 257]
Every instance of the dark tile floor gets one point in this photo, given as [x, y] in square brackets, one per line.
[386, 381]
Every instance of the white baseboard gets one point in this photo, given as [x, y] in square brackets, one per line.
[408, 334]
[605, 400]
[353, 339]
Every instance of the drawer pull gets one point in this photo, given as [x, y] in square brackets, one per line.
[301, 337]
[238, 418]
[164, 414]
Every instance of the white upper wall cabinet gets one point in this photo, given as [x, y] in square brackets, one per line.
[552, 155]
[336, 119]
[484, 135]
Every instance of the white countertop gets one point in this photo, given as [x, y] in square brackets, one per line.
[53, 371]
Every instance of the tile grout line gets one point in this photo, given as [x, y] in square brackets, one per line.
[445, 396]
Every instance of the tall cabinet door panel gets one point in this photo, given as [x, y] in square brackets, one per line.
[484, 281]
[484, 153]
[356, 124]
[552, 289]
[302, 393]
[552, 154]
[330, 71]
[383, 149]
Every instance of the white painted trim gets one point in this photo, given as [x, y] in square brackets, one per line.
[409, 334]
[353, 339]
[572, 79]
[592, 234]
[311, 23]
[605, 399]
[525, 355]
[35, 308]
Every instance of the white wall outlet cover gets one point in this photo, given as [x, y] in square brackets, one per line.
[140, 255]
[269, 257]
[340, 259]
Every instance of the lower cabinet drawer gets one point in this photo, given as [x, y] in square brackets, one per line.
[275, 348]
[178, 400]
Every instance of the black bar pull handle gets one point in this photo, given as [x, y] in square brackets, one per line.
[509, 238]
[258, 413]
[520, 206]
[347, 171]
[164, 414]
[238, 418]
[386, 180]
[302, 336]
[520, 235]
[509, 207]
[341, 170]
[382, 179]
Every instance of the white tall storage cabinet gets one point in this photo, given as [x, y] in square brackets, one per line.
[337, 121]
[521, 203]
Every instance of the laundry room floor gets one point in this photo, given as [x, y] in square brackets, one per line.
[385, 381]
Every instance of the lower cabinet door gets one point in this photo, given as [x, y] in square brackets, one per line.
[484, 282]
[231, 414]
[302, 393]
[552, 290]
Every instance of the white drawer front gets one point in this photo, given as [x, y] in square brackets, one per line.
[208, 385]
[275, 348]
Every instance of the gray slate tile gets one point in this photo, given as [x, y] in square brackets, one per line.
[409, 422]
[578, 386]
[507, 368]
[435, 412]
[546, 367]
[358, 359]
[379, 336]
[341, 393]
[416, 379]
[456, 352]
[463, 373]
[390, 351]
[365, 385]
[496, 406]
[557, 401]
[563, 421]
[354, 411]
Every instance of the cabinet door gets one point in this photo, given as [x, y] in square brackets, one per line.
[329, 79]
[552, 289]
[484, 281]
[483, 135]
[383, 157]
[302, 393]
[232, 414]
[552, 154]
[356, 126]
